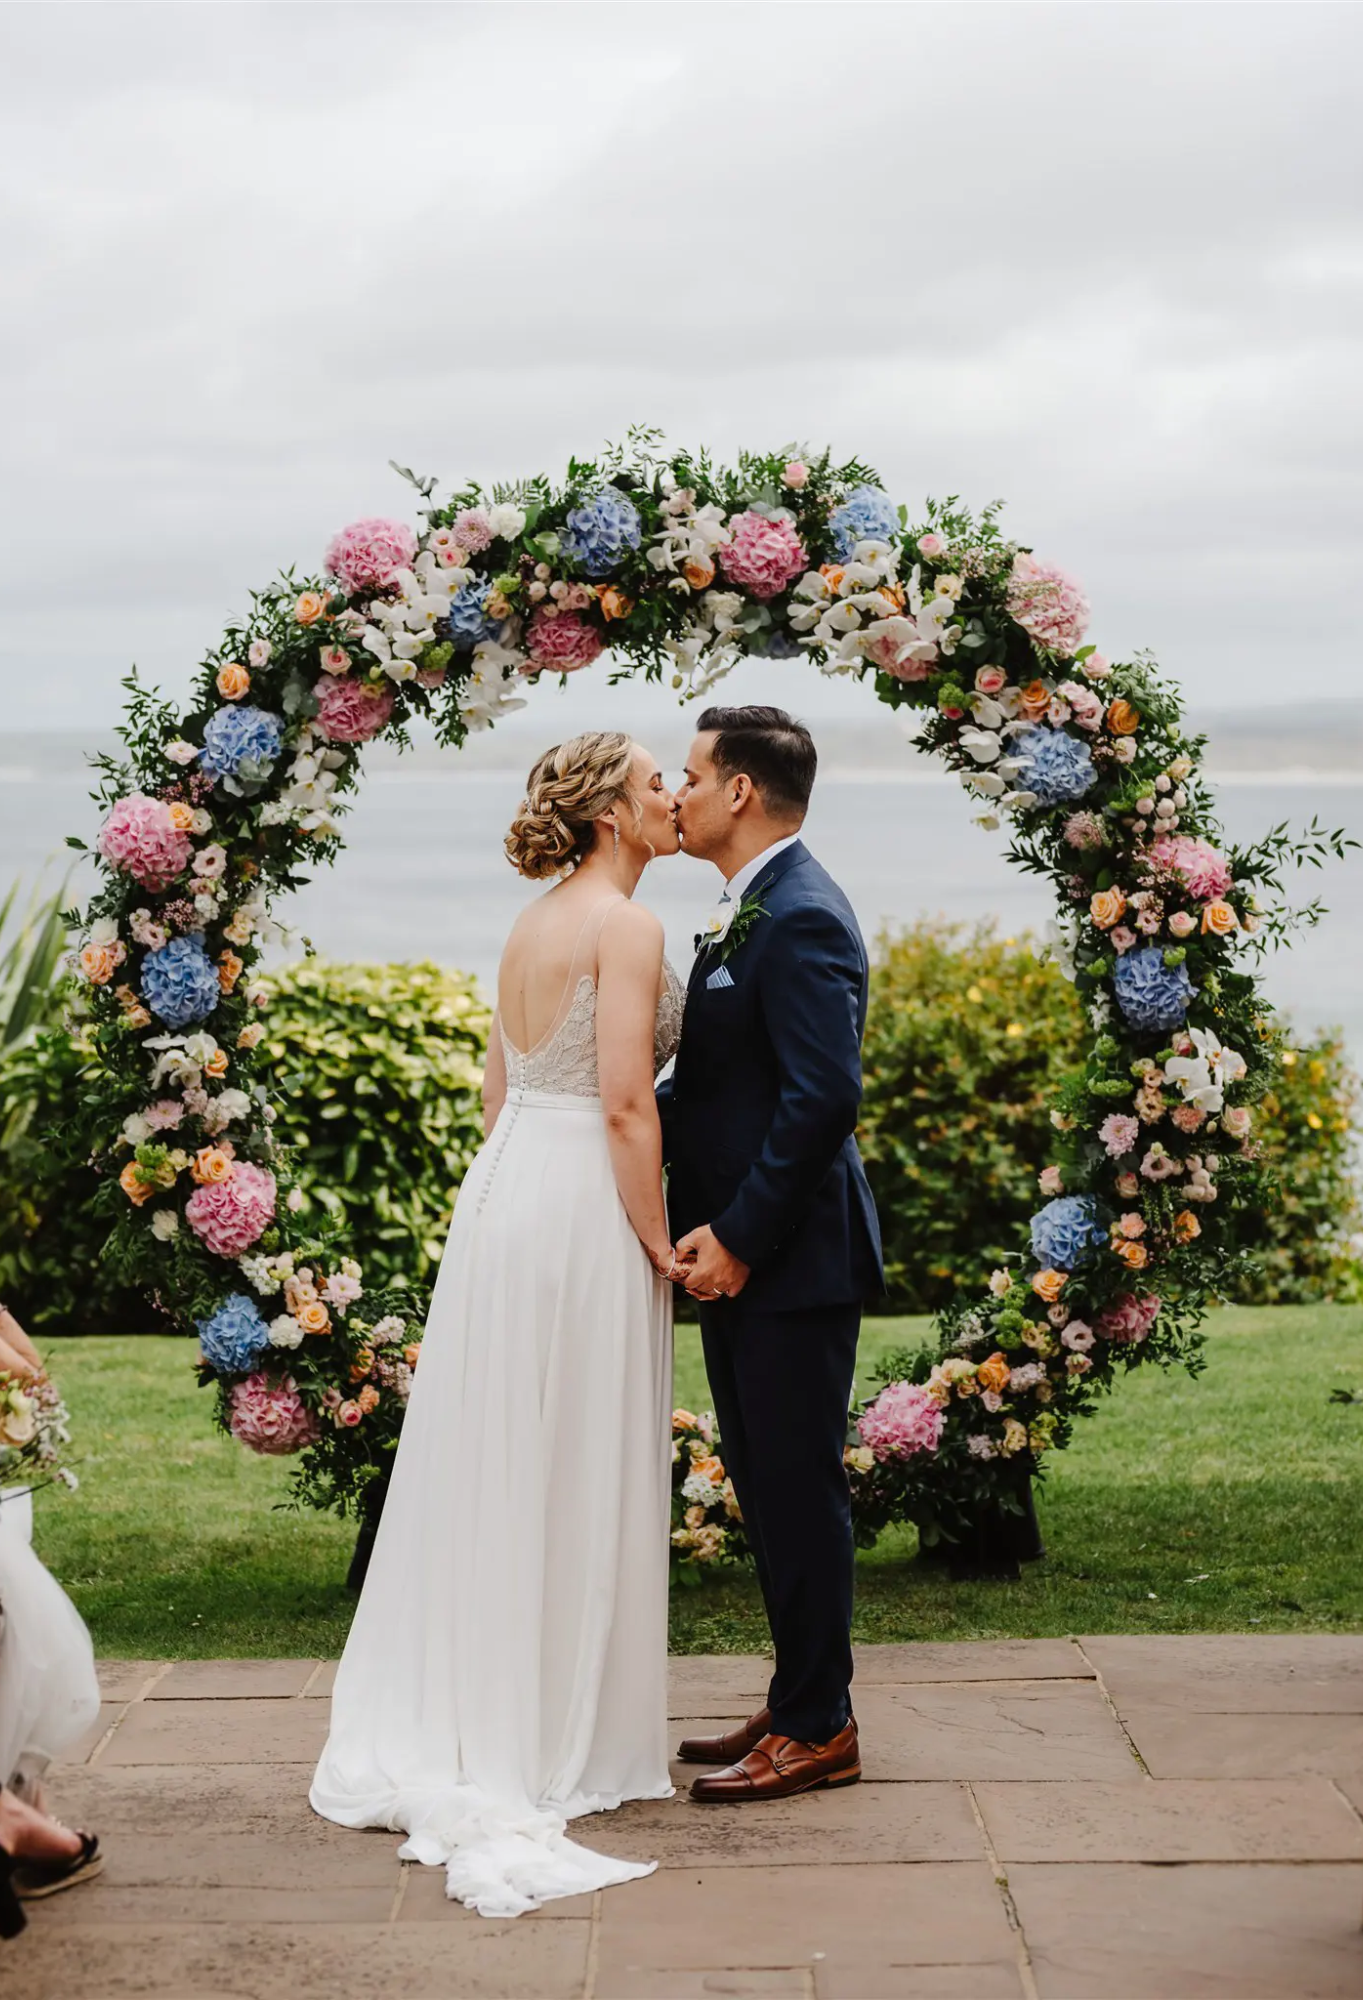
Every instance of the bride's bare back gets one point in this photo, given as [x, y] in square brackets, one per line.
[553, 947]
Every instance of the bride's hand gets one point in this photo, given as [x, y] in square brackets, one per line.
[668, 1264]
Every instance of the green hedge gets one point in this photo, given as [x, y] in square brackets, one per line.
[966, 1038]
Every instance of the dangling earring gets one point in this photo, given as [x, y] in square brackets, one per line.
[615, 836]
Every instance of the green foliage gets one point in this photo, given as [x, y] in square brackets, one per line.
[967, 1037]
[381, 1068]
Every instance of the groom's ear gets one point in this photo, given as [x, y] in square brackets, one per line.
[741, 789]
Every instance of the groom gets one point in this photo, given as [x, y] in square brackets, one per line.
[767, 1195]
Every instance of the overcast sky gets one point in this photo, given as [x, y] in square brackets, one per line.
[1104, 261]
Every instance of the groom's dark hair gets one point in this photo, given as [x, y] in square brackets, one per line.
[771, 748]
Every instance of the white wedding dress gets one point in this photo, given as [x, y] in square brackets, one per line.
[506, 1670]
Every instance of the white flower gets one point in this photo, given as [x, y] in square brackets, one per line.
[165, 1223]
[385, 1331]
[698, 1490]
[1124, 749]
[1205, 1076]
[981, 744]
[1057, 948]
[180, 752]
[205, 905]
[200, 1047]
[211, 862]
[104, 931]
[716, 926]
[506, 521]
[232, 1105]
[201, 821]
[285, 1331]
[136, 1130]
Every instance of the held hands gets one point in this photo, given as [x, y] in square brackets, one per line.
[710, 1271]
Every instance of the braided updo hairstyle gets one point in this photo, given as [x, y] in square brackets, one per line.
[568, 790]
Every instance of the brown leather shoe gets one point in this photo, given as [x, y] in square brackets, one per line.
[726, 1749]
[780, 1767]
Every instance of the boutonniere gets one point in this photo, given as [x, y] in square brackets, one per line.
[729, 926]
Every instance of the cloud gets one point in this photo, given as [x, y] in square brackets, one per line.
[1106, 261]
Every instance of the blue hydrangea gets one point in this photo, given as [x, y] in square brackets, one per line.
[777, 644]
[468, 620]
[1065, 1230]
[601, 531]
[866, 515]
[234, 1337]
[180, 982]
[1055, 766]
[241, 742]
[1153, 996]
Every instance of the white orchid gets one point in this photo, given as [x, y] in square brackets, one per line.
[1057, 947]
[981, 745]
[1205, 1076]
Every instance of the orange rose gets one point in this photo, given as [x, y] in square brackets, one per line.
[1122, 718]
[892, 595]
[832, 574]
[410, 1352]
[362, 1364]
[682, 1420]
[699, 572]
[1049, 1285]
[1106, 907]
[182, 816]
[1035, 699]
[133, 1185]
[233, 681]
[230, 969]
[614, 602]
[368, 1398]
[1220, 919]
[1134, 1255]
[212, 1163]
[1186, 1226]
[313, 1317]
[216, 1064]
[253, 1032]
[98, 963]
[310, 607]
[709, 1468]
[993, 1373]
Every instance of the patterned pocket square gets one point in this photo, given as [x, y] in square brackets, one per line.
[719, 978]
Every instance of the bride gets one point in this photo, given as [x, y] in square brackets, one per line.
[506, 1669]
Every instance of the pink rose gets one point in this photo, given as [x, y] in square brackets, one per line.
[350, 710]
[989, 680]
[1236, 1122]
[1129, 1319]
[795, 472]
[1183, 923]
[141, 839]
[1131, 1226]
[368, 554]
[932, 545]
[270, 1417]
[1097, 666]
[562, 642]
[763, 555]
[1122, 938]
[335, 660]
[1128, 1187]
[349, 1414]
[1078, 1337]
[1085, 705]
[1051, 1180]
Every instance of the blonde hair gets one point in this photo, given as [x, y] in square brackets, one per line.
[568, 790]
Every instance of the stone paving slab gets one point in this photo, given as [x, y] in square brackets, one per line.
[1244, 1819]
[1177, 1743]
[1135, 1933]
[1314, 1673]
[1229, 1871]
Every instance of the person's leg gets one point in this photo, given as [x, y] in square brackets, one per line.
[793, 1375]
[719, 1329]
[29, 1835]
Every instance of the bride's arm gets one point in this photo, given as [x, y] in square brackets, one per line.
[494, 1077]
[630, 972]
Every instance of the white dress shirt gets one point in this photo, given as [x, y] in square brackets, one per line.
[738, 885]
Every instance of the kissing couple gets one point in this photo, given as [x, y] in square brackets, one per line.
[506, 1671]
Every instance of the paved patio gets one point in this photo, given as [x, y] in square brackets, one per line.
[1096, 1819]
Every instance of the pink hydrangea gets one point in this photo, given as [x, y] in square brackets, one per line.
[350, 710]
[1119, 1133]
[472, 530]
[1203, 867]
[271, 1417]
[563, 643]
[1048, 604]
[903, 1419]
[368, 554]
[141, 838]
[762, 555]
[229, 1216]
[1085, 830]
[1129, 1319]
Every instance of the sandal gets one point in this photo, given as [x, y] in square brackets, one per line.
[12, 1918]
[33, 1880]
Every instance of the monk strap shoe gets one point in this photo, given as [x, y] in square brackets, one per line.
[779, 1767]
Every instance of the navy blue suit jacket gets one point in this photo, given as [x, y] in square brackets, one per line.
[762, 1108]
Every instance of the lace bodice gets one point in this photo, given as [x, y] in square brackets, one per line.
[564, 1064]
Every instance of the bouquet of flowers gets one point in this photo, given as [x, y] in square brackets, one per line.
[35, 1429]
[707, 1527]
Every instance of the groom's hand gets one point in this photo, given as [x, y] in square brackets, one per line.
[715, 1272]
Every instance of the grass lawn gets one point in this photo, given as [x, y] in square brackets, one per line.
[1225, 1504]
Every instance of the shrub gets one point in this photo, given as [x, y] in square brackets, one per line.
[382, 1068]
[967, 1037]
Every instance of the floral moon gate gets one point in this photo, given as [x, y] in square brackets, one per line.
[678, 567]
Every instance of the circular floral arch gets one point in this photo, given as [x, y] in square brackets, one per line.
[677, 567]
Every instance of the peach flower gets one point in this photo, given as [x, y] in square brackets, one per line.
[252, 1033]
[133, 1185]
[313, 1317]
[614, 602]
[216, 1064]
[1122, 718]
[98, 963]
[212, 1163]
[230, 969]
[233, 681]
[1186, 1226]
[1134, 1255]
[368, 1398]
[310, 607]
[1220, 919]
[1035, 700]
[1106, 906]
[1049, 1285]
[993, 1373]
[699, 572]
